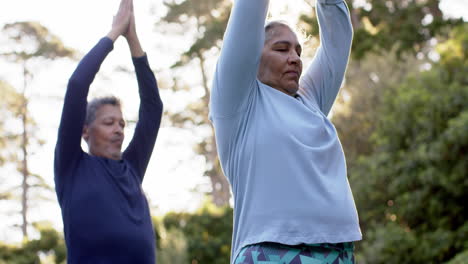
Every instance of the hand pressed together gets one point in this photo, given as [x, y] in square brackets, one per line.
[124, 25]
[121, 21]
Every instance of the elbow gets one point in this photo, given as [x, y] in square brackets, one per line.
[350, 44]
[157, 104]
[160, 107]
[348, 39]
[75, 82]
[350, 34]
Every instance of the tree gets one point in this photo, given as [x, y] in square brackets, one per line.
[459, 258]
[354, 112]
[403, 26]
[415, 178]
[207, 232]
[209, 18]
[30, 41]
[50, 245]
[11, 100]
[171, 244]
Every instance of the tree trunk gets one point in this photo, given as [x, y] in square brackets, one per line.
[435, 9]
[24, 169]
[25, 186]
[220, 186]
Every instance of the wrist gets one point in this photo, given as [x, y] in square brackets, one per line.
[135, 47]
[113, 35]
[131, 38]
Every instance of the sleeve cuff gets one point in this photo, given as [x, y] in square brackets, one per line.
[140, 60]
[107, 42]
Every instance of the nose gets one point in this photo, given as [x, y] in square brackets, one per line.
[294, 58]
[118, 129]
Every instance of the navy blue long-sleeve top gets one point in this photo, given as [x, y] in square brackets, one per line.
[105, 213]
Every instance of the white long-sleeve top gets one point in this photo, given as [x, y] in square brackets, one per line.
[282, 154]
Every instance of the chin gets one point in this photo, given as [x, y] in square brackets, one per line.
[115, 155]
[292, 90]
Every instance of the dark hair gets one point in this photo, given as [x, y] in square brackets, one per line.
[96, 103]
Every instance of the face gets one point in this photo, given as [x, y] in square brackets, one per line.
[106, 133]
[280, 64]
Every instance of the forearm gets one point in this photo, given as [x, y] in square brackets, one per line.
[336, 31]
[322, 80]
[147, 85]
[113, 35]
[244, 36]
[135, 47]
[240, 56]
[74, 107]
[141, 146]
[91, 62]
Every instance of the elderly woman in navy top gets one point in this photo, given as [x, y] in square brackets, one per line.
[280, 152]
[104, 210]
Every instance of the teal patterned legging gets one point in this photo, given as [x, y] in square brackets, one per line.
[274, 253]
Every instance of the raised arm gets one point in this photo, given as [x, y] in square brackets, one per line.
[139, 151]
[68, 147]
[322, 80]
[240, 56]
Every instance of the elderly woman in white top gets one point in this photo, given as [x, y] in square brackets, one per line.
[280, 152]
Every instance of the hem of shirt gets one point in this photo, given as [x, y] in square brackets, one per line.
[295, 240]
[330, 2]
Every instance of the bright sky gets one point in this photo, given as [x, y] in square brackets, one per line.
[174, 171]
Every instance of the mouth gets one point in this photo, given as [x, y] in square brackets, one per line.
[117, 141]
[292, 73]
[292, 76]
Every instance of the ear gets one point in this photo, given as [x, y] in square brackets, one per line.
[85, 133]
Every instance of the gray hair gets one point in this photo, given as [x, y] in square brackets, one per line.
[96, 103]
[271, 25]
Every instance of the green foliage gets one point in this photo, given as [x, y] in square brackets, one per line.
[459, 258]
[380, 26]
[354, 112]
[9, 109]
[28, 33]
[454, 54]
[171, 244]
[207, 232]
[211, 19]
[49, 244]
[27, 41]
[411, 189]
